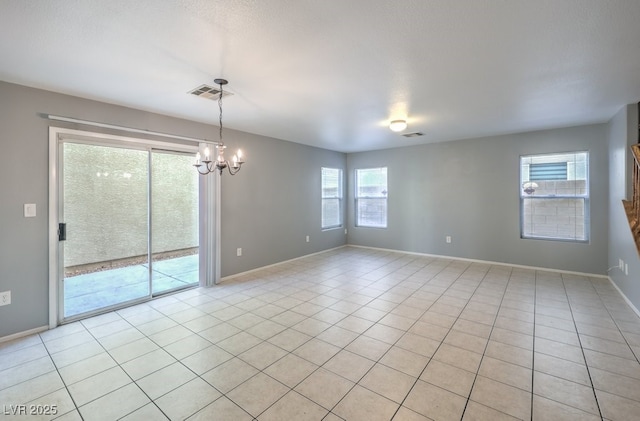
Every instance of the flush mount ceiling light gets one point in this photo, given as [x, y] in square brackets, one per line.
[207, 166]
[398, 125]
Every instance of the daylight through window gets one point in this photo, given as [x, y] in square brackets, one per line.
[554, 196]
[371, 197]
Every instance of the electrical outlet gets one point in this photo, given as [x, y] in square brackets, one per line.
[448, 239]
[307, 238]
[345, 231]
[5, 298]
[239, 251]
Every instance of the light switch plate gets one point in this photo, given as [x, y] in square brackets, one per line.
[29, 210]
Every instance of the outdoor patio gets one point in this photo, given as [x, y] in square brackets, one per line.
[96, 290]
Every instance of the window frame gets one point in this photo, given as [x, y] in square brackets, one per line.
[357, 222]
[586, 217]
[339, 197]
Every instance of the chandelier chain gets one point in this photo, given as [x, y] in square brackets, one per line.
[220, 107]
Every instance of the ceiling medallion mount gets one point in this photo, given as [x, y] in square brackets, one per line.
[207, 166]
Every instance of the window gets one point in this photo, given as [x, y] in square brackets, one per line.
[371, 197]
[331, 198]
[554, 196]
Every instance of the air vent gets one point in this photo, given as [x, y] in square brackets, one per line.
[209, 92]
[414, 134]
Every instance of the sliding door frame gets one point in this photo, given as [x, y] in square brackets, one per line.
[209, 206]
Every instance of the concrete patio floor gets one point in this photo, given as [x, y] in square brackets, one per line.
[93, 291]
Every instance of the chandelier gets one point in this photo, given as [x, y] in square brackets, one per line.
[207, 166]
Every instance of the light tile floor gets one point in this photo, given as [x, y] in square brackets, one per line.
[352, 334]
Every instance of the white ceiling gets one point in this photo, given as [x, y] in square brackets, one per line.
[333, 73]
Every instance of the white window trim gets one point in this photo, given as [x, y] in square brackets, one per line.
[340, 198]
[386, 198]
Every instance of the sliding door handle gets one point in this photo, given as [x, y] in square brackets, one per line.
[62, 231]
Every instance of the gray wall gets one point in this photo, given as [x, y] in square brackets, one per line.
[623, 132]
[274, 203]
[469, 189]
[264, 207]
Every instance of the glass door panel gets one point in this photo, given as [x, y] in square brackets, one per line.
[174, 221]
[105, 202]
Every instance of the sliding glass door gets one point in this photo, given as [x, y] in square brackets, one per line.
[128, 225]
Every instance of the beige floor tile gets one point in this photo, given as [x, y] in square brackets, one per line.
[397, 321]
[206, 359]
[616, 384]
[562, 368]
[349, 365]
[148, 412]
[355, 324]
[549, 410]
[337, 336]
[123, 337]
[405, 361]
[565, 391]
[501, 397]
[612, 363]
[428, 330]
[257, 394]
[370, 348]
[116, 404]
[559, 350]
[361, 404]
[289, 339]
[324, 388]
[77, 353]
[316, 351]
[290, 370]
[147, 363]
[472, 328]
[187, 399]
[406, 414]
[510, 337]
[29, 370]
[239, 343]
[311, 326]
[86, 368]
[221, 409]
[293, 406]
[390, 383]
[99, 385]
[165, 380]
[458, 357]
[617, 408]
[384, 333]
[435, 403]
[606, 346]
[133, 350]
[187, 346]
[219, 332]
[466, 341]
[448, 377]
[56, 403]
[229, 374]
[266, 329]
[504, 372]
[558, 335]
[202, 323]
[477, 412]
[555, 323]
[418, 344]
[171, 335]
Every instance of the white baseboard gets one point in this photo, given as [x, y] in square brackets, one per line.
[438, 256]
[23, 334]
[236, 275]
[628, 301]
